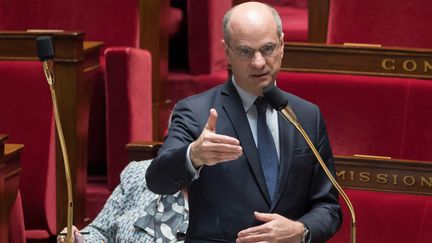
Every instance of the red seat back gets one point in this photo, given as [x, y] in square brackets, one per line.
[386, 22]
[27, 117]
[109, 21]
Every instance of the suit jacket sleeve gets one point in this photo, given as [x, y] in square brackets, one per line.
[168, 173]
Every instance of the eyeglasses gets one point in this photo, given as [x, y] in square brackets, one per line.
[247, 53]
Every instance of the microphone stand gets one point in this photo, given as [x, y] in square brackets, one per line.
[288, 114]
[48, 67]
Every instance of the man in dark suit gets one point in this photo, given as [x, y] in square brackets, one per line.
[241, 186]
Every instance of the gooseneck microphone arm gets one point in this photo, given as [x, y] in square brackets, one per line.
[275, 97]
[46, 54]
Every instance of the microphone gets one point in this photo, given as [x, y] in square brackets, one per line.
[46, 54]
[277, 100]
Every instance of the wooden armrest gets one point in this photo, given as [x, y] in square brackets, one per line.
[3, 138]
[142, 150]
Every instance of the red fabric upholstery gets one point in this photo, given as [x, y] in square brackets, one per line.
[417, 135]
[96, 18]
[370, 115]
[294, 15]
[16, 223]
[97, 193]
[128, 103]
[116, 24]
[386, 217]
[386, 22]
[26, 101]
[206, 54]
[294, 23]
[369, 118]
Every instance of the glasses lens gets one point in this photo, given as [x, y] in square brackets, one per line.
[246, 53]
[268, 50]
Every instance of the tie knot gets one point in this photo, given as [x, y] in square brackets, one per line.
[260, 104]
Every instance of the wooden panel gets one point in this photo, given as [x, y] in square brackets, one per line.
[74, 61]
[358, 60]
[384, 174]
[154, 38]
[318, 12]
[142, 150]
[10, 167]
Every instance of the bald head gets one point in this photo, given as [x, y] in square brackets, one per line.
[250, 15]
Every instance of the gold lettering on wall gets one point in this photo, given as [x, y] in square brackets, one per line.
[351, 175]
[382, 178]
[388, 64]
[409, 65]
[364, 177]
[409, 180]
[395, 179]
[341, 174]
[427, 67]
[423, 181]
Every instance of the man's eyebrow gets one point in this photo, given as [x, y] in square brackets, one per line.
[245, 46]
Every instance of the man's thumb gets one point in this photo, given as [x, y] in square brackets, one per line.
[211, 122]
[264, 217]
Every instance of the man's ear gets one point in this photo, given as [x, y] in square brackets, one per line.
[225, 46]
[282, 44]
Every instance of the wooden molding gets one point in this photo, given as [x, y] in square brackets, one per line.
[388, 175]
[358, 59]
[142, 150]
[10, 168]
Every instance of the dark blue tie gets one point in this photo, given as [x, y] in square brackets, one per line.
[266, 148]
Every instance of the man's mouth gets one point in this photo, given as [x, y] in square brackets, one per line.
[259, 75]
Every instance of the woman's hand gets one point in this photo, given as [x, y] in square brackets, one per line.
[76, 236]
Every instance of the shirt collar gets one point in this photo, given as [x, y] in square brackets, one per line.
[246, 98]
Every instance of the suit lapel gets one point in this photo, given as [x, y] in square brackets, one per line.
[286, 137]
[232, 105]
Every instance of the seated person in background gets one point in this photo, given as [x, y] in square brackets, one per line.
[135, 214]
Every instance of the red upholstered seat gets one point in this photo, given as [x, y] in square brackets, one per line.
[116, 24]
[386, 22]
[294, 15]
[27, 103]
[128, 104]
[387, 217]
[16, 223]
[417, 136]
[363, 115]
[375, 116]
[204, 63]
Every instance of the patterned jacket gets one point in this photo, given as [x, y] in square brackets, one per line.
[135, 214]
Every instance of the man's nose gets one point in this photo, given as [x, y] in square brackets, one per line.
[258, 61]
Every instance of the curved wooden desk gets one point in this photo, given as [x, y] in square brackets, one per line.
[10, 167]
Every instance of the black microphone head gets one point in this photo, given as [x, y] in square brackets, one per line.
[275, 97]
[44, 48]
